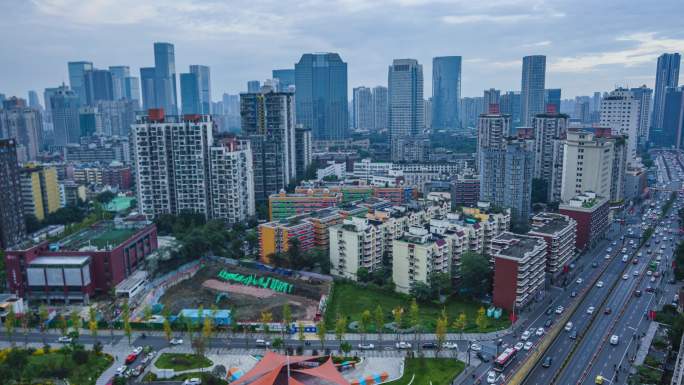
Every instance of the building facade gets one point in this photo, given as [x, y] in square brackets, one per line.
[416, 256]
[532, 88]
[667, 76]
[12, 225]
[406, 115]
[549, 129]
[590, 211]
[620, 111]
[446, 92]
[560, 233]
[587, 164]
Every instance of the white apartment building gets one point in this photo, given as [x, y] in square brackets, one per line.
[587, 164]
[354, 244]
[621, 112]
[232, 181]
[416, 256]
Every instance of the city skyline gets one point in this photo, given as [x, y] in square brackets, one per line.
[622, 50]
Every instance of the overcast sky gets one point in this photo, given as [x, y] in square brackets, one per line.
[591, 45]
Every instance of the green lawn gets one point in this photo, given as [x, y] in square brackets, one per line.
[181, 361]
[81, 370]
[350, 300]
[435, 371]
[112, 237]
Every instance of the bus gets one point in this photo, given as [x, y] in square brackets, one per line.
[504, 359]
[653, 265]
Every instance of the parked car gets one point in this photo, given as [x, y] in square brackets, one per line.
[429, 345]
[450, 345]
[176, 341]
[192, 381]
[475, 347]
[65, 339]
[131, 358]
[559, 309]
[548, 323]
[121, 370]
[540, 332]
[491, 377]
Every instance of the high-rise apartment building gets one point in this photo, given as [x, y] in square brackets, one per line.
[587, 164]
[231, 180]
[12, 225]
[165, 78]
[64, 109]
[268, 122]
[532, 88]
[380, 108]
[667, 75]
[643, 94]
[362, 103]
[190, 94]
[416, 256]
[406, 115]
[285, 77]
[203, 74]
[25, 124]
[39, 191]
[321, 90]
[117, 116]
[446, 92]
[490, 96]
[89, 121]
[470, 111]
[77, 70]
[549, 135]
[620, 111]
[510, 105]
[303, 145]
[493, 129]
[132, 89]
[518, 172]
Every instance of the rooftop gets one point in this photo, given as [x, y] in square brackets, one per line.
[58, 261]
[516, 245]
[549, 223]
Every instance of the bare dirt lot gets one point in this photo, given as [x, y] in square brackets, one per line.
[246, 302]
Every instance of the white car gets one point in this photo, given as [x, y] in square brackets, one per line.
[614, 339]
[262, 343]
[625, 276]
[559, 309]
[540, 332]
[176, 341]
[65, 339]
[649, 273]
[450, 345]
[653, 279]
[519, 346]
[491, 377]
[599, 284]
[590, 310]
[609, 249]
[579, 281]
[568, 326]
[366, 346]
[528, 345]
[607, 256]
[526, 335]
[192, 381]
[475, 347]
[138, 350]
[403, 345]
[636, 273]
[121, 370]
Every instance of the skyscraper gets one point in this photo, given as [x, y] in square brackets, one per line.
[149, 97]
[321, 95]
[673, 119]
[549, 133]
[165, 78]
[119, 75]
[406, 115]
[204, 78]
[620, 112]
[510, 105]
[491, 96]
[132, 89]
[190, 94]
[64, 106]
[643, 94]
[362, 102]
[33, 100]
[493, 128]
[268, 122]
[12, 225]
[285, 77]
[446, 92]
[98, 86]
[379, 108]
[518, 174]
[253, 86]
[77, 70]
[552, 96]
[23, 123]
[532, 88]
[667, 75]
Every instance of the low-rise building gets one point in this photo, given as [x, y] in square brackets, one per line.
[519, 263]
[275, 237]
[590, 211]
[465, 190]
[285, 205]
[416, 256]
[355, 244]
[559, 232]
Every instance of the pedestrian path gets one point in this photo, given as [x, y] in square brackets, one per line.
[645, 343]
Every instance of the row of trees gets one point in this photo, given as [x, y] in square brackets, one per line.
[298, 259]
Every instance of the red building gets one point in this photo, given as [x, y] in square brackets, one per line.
[73, 268]
[591, 213]
[465, 191]
[117, 176]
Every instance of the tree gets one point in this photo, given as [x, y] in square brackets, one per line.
[10, 319]
[440, 332]
[340, 327]
[345, 347]
[63, 327]
[287, 319]
[43, 316]
[398, 314]
[219, 371]
[126, 316]
[277, 343]
[422, 291]
[460, 323]
[440, 283]
[105, 197]
[207, 332]
[75, 322]
[379, 319]
[300, 332]
[92, 321]
[293, 250]
[365, 323]
[481, 320]
[475, 274]
[320, 333]
[24, 327]
[362, 274]
[266, 319]
[147, 312]
[414, 316]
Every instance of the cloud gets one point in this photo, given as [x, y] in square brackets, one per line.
[95, 12]
[645, 48]
[543, 43]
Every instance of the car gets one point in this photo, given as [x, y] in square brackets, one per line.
[474, 347]
[649, 289]
[607, 310]
[526, 335]
[649, 273]
[579, 281]
[450, 345]
[549, 310]
[137, 371]
[656, 274]
[121, 370]
[614, 339]
[482, 357]
[65, 339]
[599, 284]
[568, 326]
[573, 294]
[131, 358]
[262, 343]
[429, 345]
[548, 323]
[594, 264]
[637, 293]
[519, 346]
[528, 345]
[573, 335]
[625, 276]
[653, 279]
[559, 309]
[176, 341]
[547, 362]
[366, 346]
[491, 377]
[614, 244]
[539, 332]
[403, 345]
[607, 256]
[192, 381]
[590, 310]
[659, 258]
[599, 380]
[609, 249]
[635, 261]
[138, 350]
[636, 273]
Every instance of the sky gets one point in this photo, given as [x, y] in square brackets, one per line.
[591, 45]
